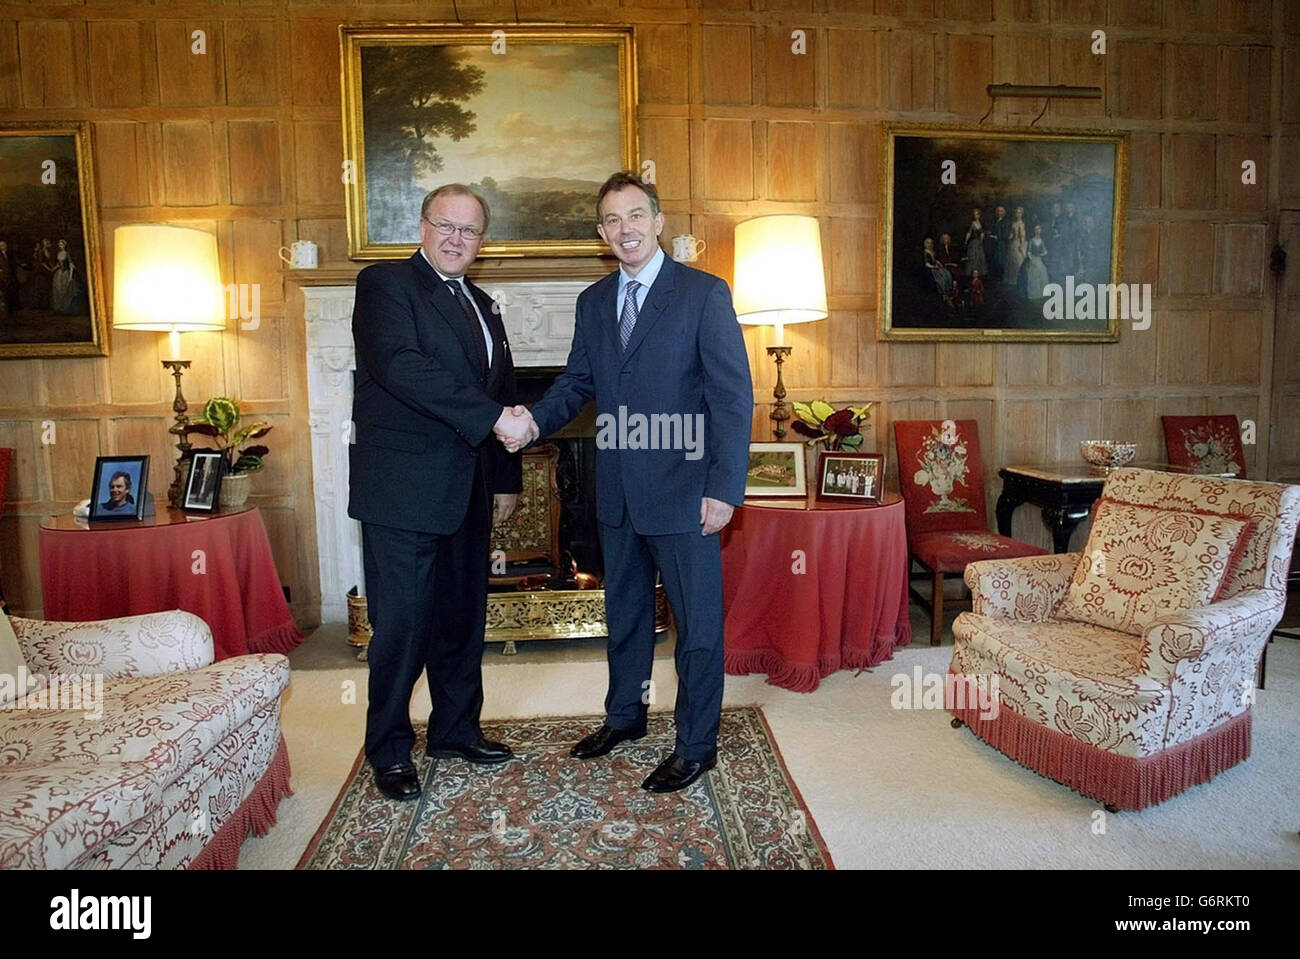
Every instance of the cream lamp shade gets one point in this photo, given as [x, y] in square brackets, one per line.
[166, 279]
[779, 275]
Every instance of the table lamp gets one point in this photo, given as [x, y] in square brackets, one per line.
[168, 279]
[779, 280]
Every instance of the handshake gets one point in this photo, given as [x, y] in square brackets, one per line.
[515, 428]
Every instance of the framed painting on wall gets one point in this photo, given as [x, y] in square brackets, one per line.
[532, 117]
[51, 297]
[1005, 236]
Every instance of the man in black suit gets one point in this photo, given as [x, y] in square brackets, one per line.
[434, 382]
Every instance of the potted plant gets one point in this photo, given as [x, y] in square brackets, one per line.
[221, 419]
[820, 423]
[823, 423]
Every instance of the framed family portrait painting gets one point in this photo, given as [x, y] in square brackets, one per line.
[51, 301]
[533, 118]
[1004, 236]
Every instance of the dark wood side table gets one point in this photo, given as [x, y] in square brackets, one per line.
[1065, 493]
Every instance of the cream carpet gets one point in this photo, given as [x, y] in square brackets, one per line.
[888, 788]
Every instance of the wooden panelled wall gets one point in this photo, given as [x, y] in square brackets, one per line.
[245, 140]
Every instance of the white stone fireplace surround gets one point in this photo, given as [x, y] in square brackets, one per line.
[538, 316]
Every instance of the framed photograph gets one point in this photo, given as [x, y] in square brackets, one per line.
[51, 297]
[533, 117]
[204, 483]
[850, 477]
[1005, 236]
[120, 487]
[776, 469]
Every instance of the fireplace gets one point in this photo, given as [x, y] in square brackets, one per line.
[538, 316]
[575, 471]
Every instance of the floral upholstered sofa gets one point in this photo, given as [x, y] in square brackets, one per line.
[134, 749]
[1126, 671]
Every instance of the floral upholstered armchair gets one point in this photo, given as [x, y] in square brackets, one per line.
[1126, 671]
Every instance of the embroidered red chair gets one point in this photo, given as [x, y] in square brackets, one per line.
[1124, 671]
[1204, 444]
[942, 481]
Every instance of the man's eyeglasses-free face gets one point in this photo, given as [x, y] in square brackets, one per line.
[467, 233]
[637, 217]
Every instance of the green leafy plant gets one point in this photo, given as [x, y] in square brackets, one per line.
[823, 423]
[222, 420]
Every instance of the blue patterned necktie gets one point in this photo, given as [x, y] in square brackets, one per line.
[627, 320]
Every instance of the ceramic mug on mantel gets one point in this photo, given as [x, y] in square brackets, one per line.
[687, 249]
[301, 256]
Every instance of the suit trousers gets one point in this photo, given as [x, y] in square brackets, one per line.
[690, 566]
[427, 602]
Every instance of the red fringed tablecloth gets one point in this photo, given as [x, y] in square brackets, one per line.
[218, 567]
[846, 610]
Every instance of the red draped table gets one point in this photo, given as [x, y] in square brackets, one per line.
[846, 610]
[218, 567]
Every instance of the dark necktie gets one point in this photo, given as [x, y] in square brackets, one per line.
[627, 320]
[476, 330]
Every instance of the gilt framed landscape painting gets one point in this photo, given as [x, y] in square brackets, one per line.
[533, 117]
[1004, 236]
[51, 301]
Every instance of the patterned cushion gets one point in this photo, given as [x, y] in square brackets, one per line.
[951, 552]
[148, 645]
[1080, 649]
[1078, 679]
[1274, 507]
[1143, 563]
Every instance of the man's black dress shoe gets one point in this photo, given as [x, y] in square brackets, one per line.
[603, 740]
[398, 781]
[675, 773]
[484, 751]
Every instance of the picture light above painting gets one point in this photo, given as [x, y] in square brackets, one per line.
[987, 233]
[533, 117]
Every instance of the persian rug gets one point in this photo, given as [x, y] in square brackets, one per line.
[547, 810]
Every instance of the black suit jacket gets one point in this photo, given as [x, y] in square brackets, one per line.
[424, 409]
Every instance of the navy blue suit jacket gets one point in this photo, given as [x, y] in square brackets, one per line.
[424, 408]
[686, 356]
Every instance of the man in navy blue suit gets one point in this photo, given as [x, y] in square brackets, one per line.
[434, 383]
[658, 346]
